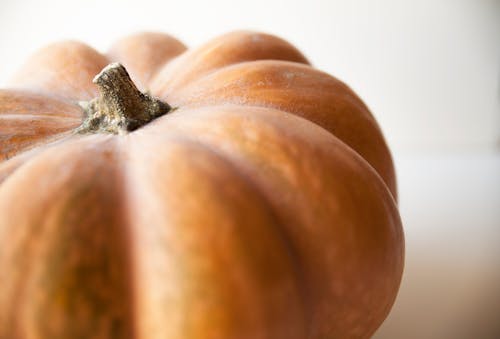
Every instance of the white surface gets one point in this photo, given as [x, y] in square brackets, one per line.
[429, 69]
[450, 206]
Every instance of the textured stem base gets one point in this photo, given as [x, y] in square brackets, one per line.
[120, 107]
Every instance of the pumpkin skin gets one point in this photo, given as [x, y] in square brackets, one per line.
[263, 206]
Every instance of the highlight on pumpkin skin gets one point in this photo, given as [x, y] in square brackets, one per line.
[223, 51]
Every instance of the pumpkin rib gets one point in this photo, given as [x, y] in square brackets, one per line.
[141, 169]
[31, 124]
[25, 102]
[329, 320]
[239, 164]
[231, 48]
[24, 116]
[29, 120]
[53, 223]
[64, 69]
[238, 75]
[300, 90]
[11, 164]
[144, 53]
[12, 146]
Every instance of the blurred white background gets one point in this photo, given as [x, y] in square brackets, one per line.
[430, 72]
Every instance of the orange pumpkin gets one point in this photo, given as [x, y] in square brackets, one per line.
[241, 194]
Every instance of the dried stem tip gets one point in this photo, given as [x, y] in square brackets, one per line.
[120, 107]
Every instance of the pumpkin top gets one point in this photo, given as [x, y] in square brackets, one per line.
[242, 68]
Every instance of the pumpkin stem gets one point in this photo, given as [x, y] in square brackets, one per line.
[120, 107]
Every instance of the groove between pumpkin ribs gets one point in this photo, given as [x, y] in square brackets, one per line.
[12, 161]
[244, 169]
[134, 146]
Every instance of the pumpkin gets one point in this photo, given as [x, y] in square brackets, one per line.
[226, 191]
